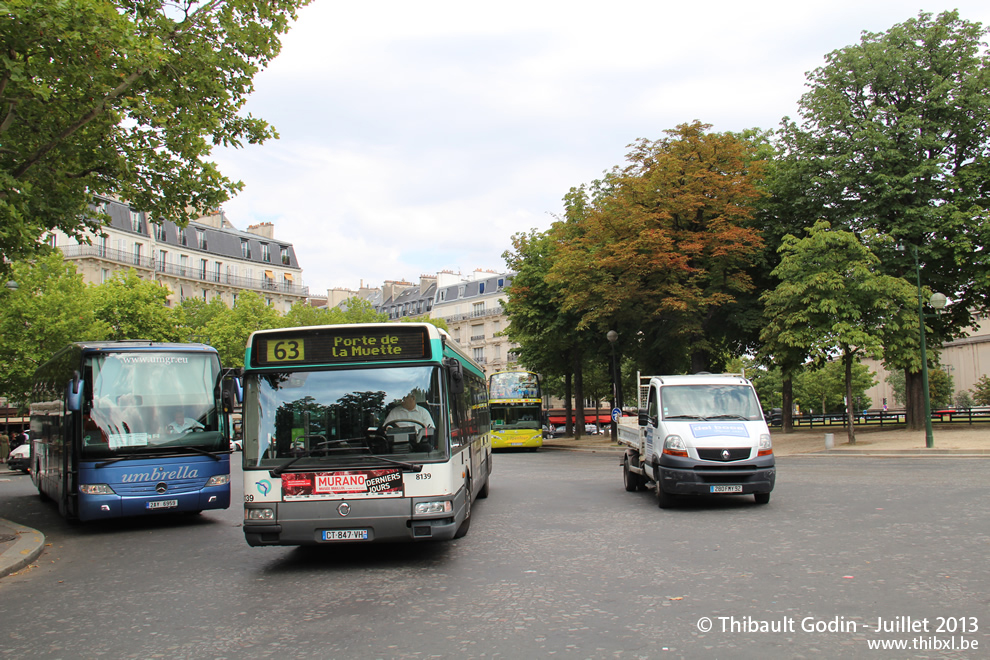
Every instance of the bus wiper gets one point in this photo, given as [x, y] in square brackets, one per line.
[214, 455]
[407, 466]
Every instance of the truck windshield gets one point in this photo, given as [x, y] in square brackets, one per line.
[710, 402]
[298, 420]
[149, 402]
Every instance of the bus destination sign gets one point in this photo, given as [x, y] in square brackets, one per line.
[340, 346]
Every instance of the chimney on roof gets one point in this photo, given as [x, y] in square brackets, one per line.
[263, 229]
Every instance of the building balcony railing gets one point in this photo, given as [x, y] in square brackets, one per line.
[497, 310]
[194, 273]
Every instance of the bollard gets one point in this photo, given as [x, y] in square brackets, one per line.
[829, 441]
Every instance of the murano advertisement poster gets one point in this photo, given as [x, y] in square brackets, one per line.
[353, 483]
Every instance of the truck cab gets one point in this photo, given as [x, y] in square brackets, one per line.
[700, 435]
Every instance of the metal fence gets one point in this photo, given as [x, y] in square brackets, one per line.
[884, 418]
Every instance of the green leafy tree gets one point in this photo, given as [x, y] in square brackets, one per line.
[941, 386]
[124, 98]
[50, 308]
[981, 391]
[832, 300]
[133, 308]
[194, 314]
[229, 333]
[895, 136]
[824, 389]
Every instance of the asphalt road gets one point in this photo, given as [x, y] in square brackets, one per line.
[560, 562]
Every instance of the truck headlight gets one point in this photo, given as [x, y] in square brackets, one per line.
[766, 447]
[673, 445]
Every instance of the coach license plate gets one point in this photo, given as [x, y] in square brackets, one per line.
[727, 489]
[345, 535]
[163, 504]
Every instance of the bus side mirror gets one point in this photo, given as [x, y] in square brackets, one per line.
[232, 393]
[456, 372]
[73, 393]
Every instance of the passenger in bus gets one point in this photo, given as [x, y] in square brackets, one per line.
[409, 410]
[180, 423]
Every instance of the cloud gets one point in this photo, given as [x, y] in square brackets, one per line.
[417, 137]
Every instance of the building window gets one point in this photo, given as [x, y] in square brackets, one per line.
[136, 221]
[501, 283]
[481, 287]
[183, 264]
[479, 355]
[201, 239]
[245, 249]
[216, 271]
[202, 272]
[285, 256]
[104, 275]
[477, 332]
[137, 254]
[104, 245]
[266, 252]
[159, 232]
[162, 257]
[183, 240]
[478, 309]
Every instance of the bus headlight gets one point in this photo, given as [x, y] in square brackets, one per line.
[96, 489]
[259, 514]
[441, 506]
[218, 480]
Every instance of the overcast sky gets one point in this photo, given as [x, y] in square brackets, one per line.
[420, 136]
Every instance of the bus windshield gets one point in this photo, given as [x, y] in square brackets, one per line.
[510, 417]
[710, 402]
[147, 402]
[343, 417]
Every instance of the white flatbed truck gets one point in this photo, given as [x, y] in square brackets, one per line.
[698, 435]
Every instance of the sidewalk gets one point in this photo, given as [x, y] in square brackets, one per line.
[19, 546]
[949, 440]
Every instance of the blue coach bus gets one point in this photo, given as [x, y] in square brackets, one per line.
[131, 428]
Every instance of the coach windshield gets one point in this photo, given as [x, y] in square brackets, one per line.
[144, 402]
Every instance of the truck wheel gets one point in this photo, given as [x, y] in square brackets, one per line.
[631, 481]
[761, 498]
[665, 500]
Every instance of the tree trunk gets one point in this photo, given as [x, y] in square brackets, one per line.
[787, 406]
[578, 395]
[847, 362]
[568, 408]
[914, 401]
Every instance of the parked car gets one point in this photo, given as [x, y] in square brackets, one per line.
[20, 458]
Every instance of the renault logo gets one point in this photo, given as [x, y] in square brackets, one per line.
[161, 487]
[344, 508]
[725, 454]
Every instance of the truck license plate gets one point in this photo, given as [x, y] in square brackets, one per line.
[726, 489]
[345, 535]
[163, 504]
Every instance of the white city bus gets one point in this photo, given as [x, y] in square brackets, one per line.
[361, 433]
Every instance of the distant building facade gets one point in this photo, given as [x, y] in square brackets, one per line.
[208, 259]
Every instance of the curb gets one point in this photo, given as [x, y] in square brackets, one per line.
[26, 549]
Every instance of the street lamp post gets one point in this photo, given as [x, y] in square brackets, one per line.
[613, 337]
[938, 302]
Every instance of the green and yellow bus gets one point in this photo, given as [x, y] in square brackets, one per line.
[517, 410]
[361, 433]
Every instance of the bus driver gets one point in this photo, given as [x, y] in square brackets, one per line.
[408, 410]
